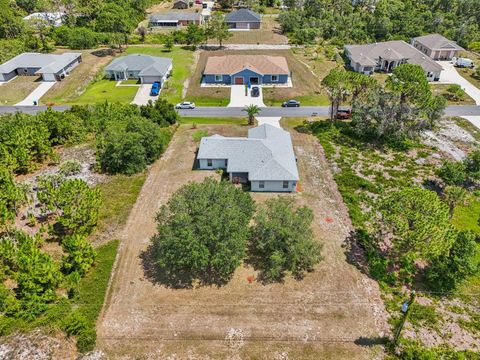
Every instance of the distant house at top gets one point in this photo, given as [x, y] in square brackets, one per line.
[386, 56]
[181, 4]
[265, 159]
[148, 69]
[243, 19]
[53, 19]
[174, 19]
[246, 69]
[437, 47]
[50, 67]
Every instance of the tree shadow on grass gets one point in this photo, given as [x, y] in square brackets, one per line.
[355, 253]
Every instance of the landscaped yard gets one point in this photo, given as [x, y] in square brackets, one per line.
[106, 89]
[17, 89]
[306, 86]
[441, 89]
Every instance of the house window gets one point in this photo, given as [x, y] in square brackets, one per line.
[218, 77]
[274, 78]
[285, 184]
[261, 184]
[226, 163]
[209, 162]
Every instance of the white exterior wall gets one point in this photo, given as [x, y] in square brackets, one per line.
[273, 186]
[216, 164]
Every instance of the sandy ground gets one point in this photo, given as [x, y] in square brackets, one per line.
[335, 312]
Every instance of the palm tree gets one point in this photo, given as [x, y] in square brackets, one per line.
[251, 111]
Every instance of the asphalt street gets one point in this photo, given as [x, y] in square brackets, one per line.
[203, 111]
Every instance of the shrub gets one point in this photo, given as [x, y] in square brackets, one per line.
[70, 167]
[161, 112]
[75, 323]
[202, 233]
[282, 240]
[11, 197]
[452, 173]
[199, 134]
[86, 340]
[80, 255]
[456, 92]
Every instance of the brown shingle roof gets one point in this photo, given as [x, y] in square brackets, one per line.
[232, 64]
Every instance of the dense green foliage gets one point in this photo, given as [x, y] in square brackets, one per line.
[461, 172]
[202, 233]
[282, 240]
[345, 21]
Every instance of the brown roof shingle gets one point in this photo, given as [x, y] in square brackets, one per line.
[232, 64]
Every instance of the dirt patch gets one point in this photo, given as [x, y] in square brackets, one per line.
[329, 314]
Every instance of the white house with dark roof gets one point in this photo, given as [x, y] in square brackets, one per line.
[386, 56]
[243, 19]
[49, 66]
[437, 47]
[265, 158]
[148, 69]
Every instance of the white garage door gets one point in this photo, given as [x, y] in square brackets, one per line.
[151, 79]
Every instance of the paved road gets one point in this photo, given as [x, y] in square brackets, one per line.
[304, 111]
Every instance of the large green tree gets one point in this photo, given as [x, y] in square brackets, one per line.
[202, 233]
[410, 82]
[282, 240]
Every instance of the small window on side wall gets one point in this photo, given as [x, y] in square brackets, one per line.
[218, 77]
[209, 162]
[274, 77]
[285, 184]
[261, 184]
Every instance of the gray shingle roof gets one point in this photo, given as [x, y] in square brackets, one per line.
[176, 16]
[437, 42]
[47, 63]
[267, 153]
[146, 64]
[368, 54]
[243, 15]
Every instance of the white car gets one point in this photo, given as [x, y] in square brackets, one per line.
[185, 105]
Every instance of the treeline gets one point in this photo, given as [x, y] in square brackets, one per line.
[343, 21]
[86, 23]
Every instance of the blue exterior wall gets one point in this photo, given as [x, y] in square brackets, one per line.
[246, 74]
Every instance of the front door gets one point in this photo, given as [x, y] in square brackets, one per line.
[254, 80]
[239, 81]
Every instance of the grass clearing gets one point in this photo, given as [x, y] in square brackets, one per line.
[106, 90]
[441, 89]
[306, 87]
[18, 89]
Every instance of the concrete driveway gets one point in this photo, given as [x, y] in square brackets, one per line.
[450, 75]
[239, 99]
[36, 94]
[143, 95]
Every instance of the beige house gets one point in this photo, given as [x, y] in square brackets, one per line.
[386, 56]
[437, 47]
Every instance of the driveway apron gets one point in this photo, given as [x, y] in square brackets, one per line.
[238, 98]
[36, 94]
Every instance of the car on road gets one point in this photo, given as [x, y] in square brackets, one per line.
[344, 113]
[255, 92]
[291, 103]
[185, 105]
[155, 89]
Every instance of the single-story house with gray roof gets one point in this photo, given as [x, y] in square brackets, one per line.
[243, 19]
[386, 56]
[437, 47]
[49, 66]
[175, 19]
[265, 159]
[148, 69]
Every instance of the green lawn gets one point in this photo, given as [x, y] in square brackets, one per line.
[210, 101]
[214, 120]
[182, 63]
[307, 100]
[105, 90]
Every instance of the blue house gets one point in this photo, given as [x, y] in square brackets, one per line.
[246, 69]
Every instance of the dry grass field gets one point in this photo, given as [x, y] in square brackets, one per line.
[18, 89]
[306, 86]
[333, 313]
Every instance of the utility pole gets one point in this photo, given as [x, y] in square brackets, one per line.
[407, 305]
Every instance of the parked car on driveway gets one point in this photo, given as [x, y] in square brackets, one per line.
[291, 103]
[255, 92]
[155, 89]
[185, 105]
[344, 113]
[464, 62]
